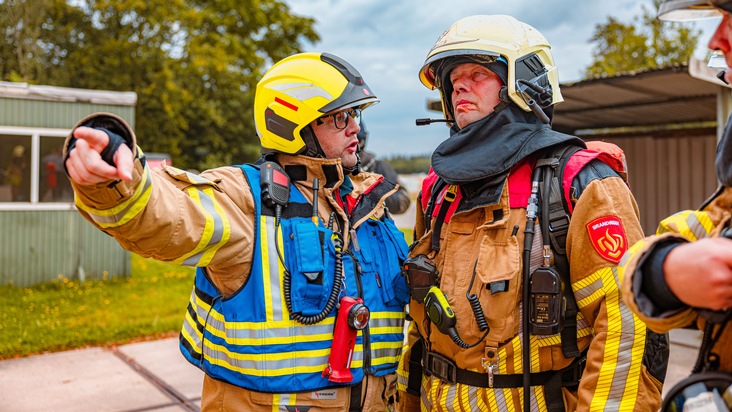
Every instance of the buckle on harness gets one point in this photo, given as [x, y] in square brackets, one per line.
[573, 374]
[441, 367]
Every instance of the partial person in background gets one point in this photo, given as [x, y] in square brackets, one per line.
[15, 174]
[397, 203]
[683, 274]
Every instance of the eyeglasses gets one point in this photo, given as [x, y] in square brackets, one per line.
[341, 119]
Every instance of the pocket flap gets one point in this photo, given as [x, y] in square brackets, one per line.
[498, 261]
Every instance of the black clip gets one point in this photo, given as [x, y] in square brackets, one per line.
[441, 367]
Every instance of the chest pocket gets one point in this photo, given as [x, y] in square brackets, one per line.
[310, 257]
[382, 250]
[499, 269]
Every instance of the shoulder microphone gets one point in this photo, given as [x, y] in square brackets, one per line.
[426, 121]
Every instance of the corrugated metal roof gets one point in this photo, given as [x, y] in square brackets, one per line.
[668, 95]
[66, 94]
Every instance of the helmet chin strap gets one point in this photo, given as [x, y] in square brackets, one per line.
[355, 169]
[312, 147]
[503, 97]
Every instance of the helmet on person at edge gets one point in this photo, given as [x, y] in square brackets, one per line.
[299, 89]
[514, 50]
[363, 134]
[684, 10]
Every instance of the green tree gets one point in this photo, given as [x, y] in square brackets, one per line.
[644, 44]
[194, 64]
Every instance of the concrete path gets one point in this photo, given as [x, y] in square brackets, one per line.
[154, 376]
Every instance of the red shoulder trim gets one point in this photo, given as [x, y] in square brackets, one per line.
[427, 184]
[579, 160]
[519, 183]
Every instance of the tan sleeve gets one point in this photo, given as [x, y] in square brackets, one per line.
[614, 375]
[179, 217]
[689, 225]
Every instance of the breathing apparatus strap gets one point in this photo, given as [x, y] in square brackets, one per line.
[554, 224]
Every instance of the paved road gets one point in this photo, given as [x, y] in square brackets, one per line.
[153, 376]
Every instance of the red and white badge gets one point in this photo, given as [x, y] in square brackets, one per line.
[608, 237]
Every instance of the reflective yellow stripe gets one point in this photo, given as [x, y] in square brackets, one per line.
[588, 289]
[623, 353]
[213, 237]
[691, 224]
[125, 211]
[296, 366]
[540, 399]
[503, 368]
[266, 269]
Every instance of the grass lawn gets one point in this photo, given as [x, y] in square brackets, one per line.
[65, 314]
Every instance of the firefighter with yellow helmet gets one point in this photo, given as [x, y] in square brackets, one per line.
[515, 296]
[682, 275]
[298, 301]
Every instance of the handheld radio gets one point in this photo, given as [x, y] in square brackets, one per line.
[275, 184]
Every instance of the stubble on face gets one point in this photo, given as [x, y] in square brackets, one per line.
[475, 93]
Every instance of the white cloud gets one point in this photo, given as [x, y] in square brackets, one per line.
[388, 40]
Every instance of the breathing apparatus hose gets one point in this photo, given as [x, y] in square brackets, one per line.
[531, 212]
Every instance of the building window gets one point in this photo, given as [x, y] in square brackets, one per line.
[32, 172]
[54, 185]
[15, 170]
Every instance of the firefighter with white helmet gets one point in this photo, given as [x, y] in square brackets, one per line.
[298, 301]
[683, 274]
[514, 291]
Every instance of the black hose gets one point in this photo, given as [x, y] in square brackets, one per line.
[287, 279]
[334, 291]
[531, 212]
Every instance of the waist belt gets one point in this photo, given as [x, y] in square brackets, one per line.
[446, 370]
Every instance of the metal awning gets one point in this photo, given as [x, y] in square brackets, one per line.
[680, 94]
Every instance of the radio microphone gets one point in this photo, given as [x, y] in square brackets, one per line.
[426, 121]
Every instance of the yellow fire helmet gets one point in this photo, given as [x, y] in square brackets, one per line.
[685, 10]
[532, 80]
[299, 89]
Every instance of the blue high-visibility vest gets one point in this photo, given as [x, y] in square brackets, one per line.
[249, 339]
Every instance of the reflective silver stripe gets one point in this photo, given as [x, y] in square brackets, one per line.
[624, 352]
[130, 209]
[272, 364]
[427, 383]
[283, 400]
[450, 398]
[533, 399]
[695, 226]
[385, 356]
[266, 364]
[588, 290]
[402, 380]
[303, 91]
[207, 203]
[273, 270]
[392, 320]
[260, 335]
[472, 397]
[501, 399]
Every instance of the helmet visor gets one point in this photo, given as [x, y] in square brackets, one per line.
[434, 66]
[687, 10]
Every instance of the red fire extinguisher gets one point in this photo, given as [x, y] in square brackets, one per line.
[352, 316]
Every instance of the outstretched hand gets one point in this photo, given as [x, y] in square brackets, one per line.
[700, 273]
[85, 164]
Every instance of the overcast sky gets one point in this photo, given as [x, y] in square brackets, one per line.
[387, 41]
